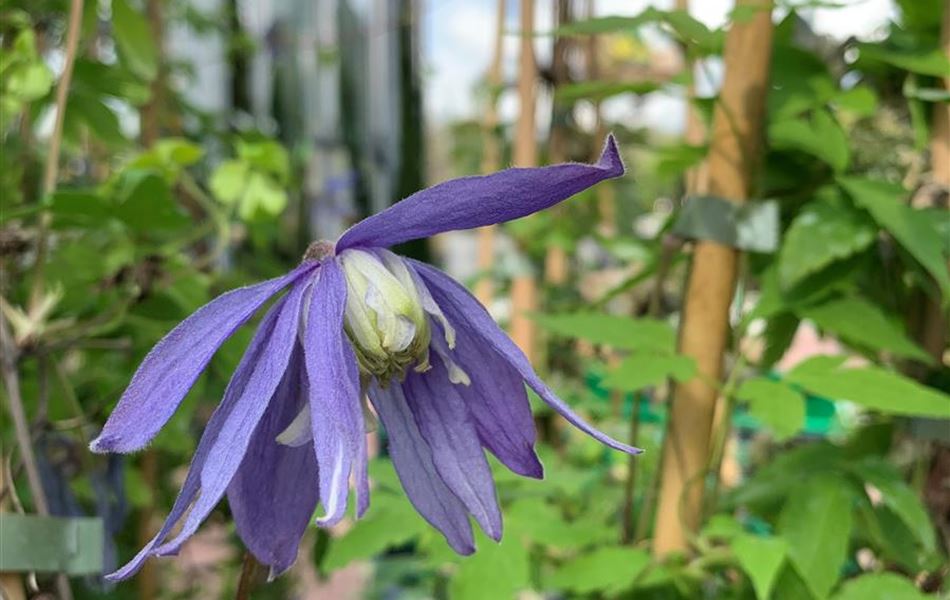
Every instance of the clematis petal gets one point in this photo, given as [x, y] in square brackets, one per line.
[471, 202]
[173, 365]
[336, 416]
[464, 310]
[415, 467]
[246, 398]
[498, 403]
[274, 493]
[208, 454]
[457, 453]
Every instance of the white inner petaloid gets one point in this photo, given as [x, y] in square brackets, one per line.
[392, 322]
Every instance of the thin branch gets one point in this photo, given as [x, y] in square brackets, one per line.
[51, 172]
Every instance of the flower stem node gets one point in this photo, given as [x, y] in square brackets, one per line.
[384, 317]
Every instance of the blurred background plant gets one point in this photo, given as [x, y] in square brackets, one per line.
[158, 152]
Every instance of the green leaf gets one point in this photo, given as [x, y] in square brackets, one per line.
[30, 81]
[820, 136]
[762, 559]
[262, 195]
[538, 522]
[910, 227]
[880, 586]
[620, 332]
[134, 40]
[601, 90]
[870, 386]
[392, 522]
[146, 203]
[860, 100]
[899, 498]
[823, 232]
[267, 156]
[228, 181]
[496, 570]
[610, 569]
[642, 369]
[816, 523]
[925, 62]
[776, 405]
[858, 321]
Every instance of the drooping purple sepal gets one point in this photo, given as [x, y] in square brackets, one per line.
[470, 202]
[463, 309]
[173, 365]
[275, 491]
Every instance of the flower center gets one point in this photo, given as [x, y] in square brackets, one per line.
[384, 319]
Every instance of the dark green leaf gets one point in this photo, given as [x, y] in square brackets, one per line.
[134, 40]
[900, 498]
[762, 559]
[880, 586]
[869, 386]
[910, 227]
[146, 203]
[816, 523]
[925, 62]
[779, 407]
[392, 522]
[620, 332]
[608, 569]
[496, 570]
[858, 321]
[820, 136]
[644, 369]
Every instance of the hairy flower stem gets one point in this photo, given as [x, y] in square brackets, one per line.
[250, 569]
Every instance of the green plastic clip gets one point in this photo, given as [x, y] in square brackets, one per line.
[752, 227]
[51, 544]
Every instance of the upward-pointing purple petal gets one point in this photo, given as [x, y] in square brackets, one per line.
[471, 202]
[173, 365]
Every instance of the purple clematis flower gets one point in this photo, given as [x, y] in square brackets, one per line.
[357, 322]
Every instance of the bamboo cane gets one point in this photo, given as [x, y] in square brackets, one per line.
[491, 160]
[524, 294]
[734, 152]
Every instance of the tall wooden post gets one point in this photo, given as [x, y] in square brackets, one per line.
[491, 159]
[523, 293]
[556, 263]
[733, 156]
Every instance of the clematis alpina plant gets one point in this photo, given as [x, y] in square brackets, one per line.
[357, 324]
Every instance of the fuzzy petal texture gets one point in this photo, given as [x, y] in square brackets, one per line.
[498, 403]
[208, 455]
[173, 365]
[248, 395]
[471, 202]
[464, 310]
[336, 416]
[413, 460]
[274, 493]
[457, 454]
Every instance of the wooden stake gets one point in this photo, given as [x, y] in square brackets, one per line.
[556, 262]
[491, 160]
[523, 287]
[733, 157]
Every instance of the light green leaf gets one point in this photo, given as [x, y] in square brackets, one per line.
[392, 522]
[910, 227]
[816, 523]
[619, 332]
[860, 100]
[496, 570]
[228, 181]
[610, 569]
[925, 62]
[537, 521]
[858, 321]
[762, 559]
[267, 156]
[262, 195]
[880, 586]
[30, 81]
[776, 405]
[823, 232]
[899, 498]
[134, 40]
[601, 90]
[820, 136]
[869, 386]
[642, 369]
